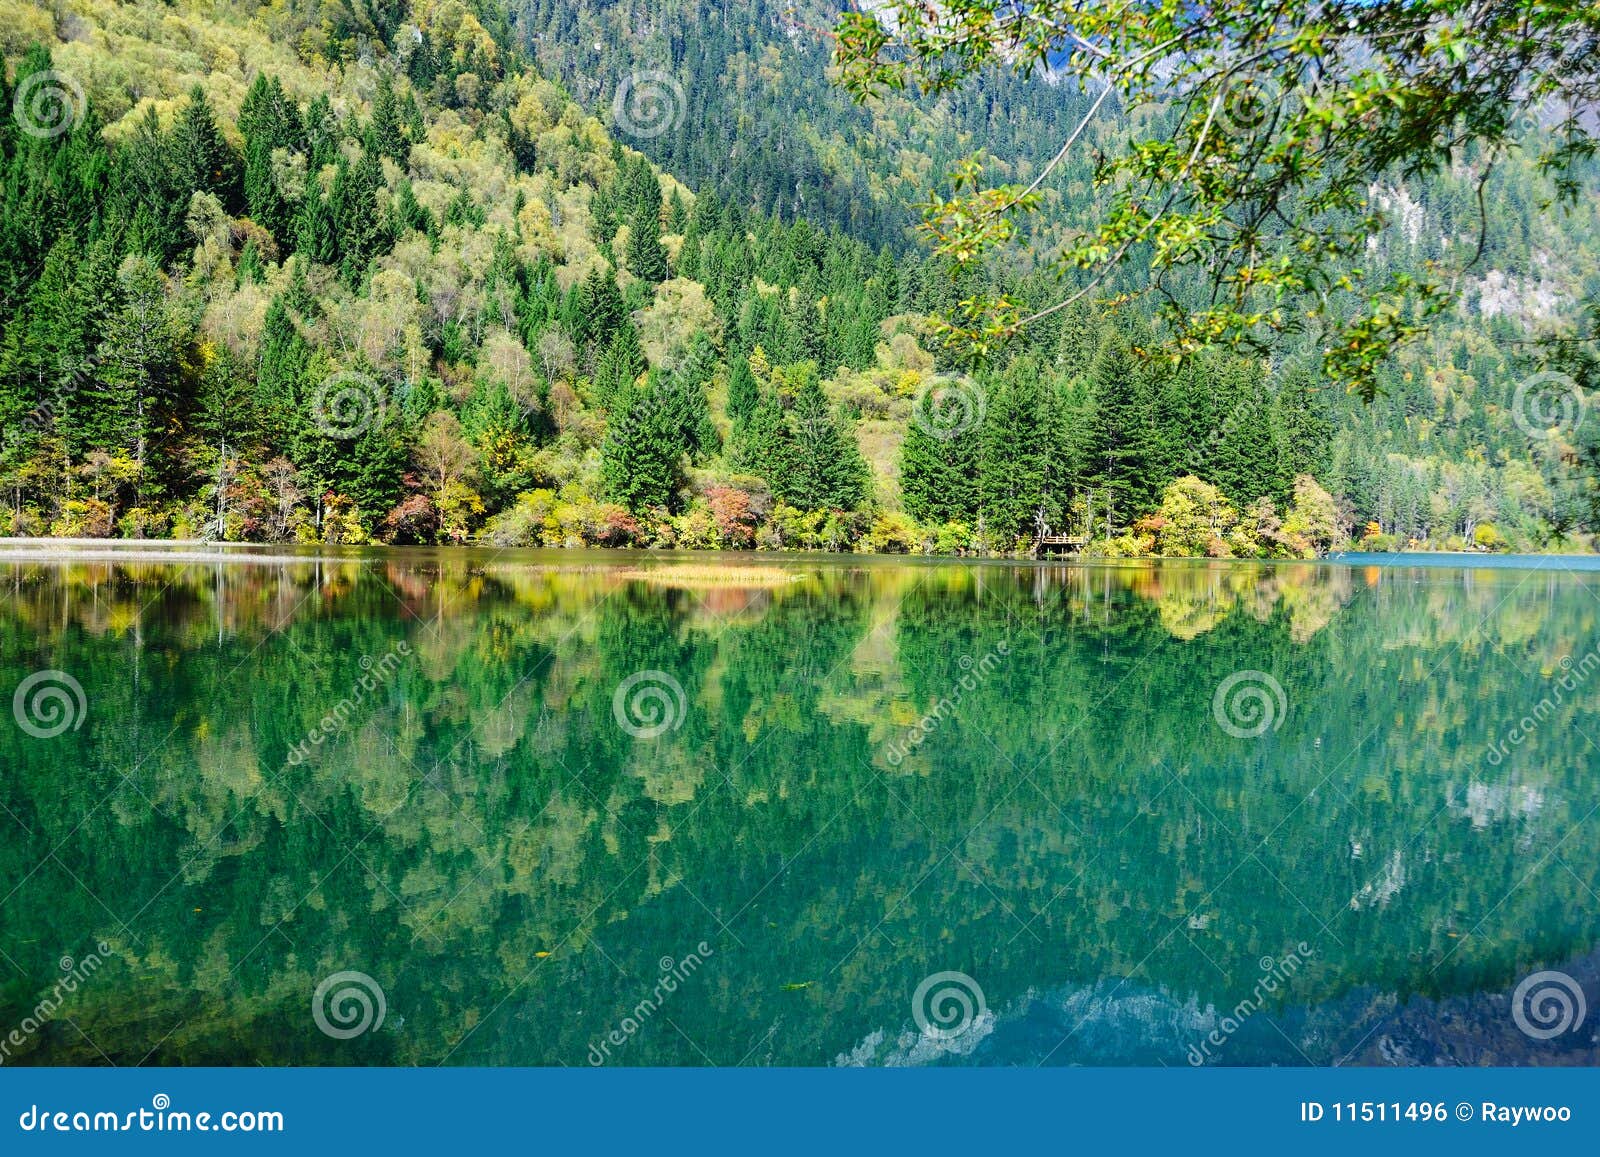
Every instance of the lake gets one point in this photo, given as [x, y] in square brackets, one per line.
[527, 808]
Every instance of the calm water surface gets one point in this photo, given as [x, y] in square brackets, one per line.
[583, 808]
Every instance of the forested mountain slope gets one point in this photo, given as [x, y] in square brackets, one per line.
[300, 272]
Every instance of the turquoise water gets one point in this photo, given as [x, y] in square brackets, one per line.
[568, 808]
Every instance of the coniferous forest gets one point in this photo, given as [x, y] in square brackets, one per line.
[321, 274]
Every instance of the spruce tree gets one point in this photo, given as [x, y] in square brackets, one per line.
[938, 469]
[641, 460]
[600, 308]
[647, 259]
[1011, 467]
[385, 135]
[760, 443]
[1248, 461]
[824, 468]
[202, 160]
[742, 392]
[619, 367]
[1118, 451]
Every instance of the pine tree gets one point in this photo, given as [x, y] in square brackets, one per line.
[938, 468]
[641, 460]
[600, 308]
[619, 367]
[1118, 451]
[316, 232]
[647, 259]
[385, 135]
[1011, 466]
[202, 160]
[824, 469]
[760, 443]
[742, 392]
[1248, 461]
[1304, 424]
[685, 396]
[353, 206]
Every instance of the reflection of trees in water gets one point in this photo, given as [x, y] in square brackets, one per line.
[1078, 815]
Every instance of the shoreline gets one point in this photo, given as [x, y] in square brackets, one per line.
[92, 550]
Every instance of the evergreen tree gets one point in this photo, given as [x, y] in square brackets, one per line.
[684, 394]
[1248, 460]
[385, 136]
[938, 468]
[641, 460]
[619, 367]
[760, 443]
[1118, 453]
[201, 159]
[742, 392]
[600, 308]
[647, 259]
[823, 467]
[1011, 467]
[316, 232]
